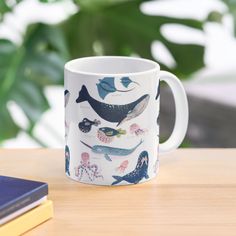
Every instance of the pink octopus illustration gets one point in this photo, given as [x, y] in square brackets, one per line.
[85, 168]
[122, 166]
[135, 129]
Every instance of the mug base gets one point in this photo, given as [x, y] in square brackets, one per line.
[123, 183]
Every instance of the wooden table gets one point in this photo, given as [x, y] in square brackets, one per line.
[194, 194]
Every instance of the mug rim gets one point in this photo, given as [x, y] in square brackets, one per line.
[69, 65]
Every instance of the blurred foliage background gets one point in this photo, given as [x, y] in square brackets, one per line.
[97, 27]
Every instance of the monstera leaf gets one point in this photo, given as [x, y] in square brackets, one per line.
[101, 27]
[25, 71]
[7, 6]
[120, 28]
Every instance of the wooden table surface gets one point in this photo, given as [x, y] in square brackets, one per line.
[194, 194]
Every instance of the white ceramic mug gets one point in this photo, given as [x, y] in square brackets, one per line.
[111, 119]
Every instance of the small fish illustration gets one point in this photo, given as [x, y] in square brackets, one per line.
[106, 134]
[106, 86]
[138, 173]
[126, 81]
[85, 125]
[122, 166]
[67, 160]
[111, 151]
[66, 97]
[135, 129]
[114, 113]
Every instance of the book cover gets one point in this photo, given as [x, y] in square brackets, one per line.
[28, 220]
[17, 193]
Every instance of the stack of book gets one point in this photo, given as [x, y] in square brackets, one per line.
[23, 205]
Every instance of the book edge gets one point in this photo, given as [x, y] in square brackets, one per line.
[22, 210]
[29, 220]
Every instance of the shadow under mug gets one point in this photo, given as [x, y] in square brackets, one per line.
[112, 119]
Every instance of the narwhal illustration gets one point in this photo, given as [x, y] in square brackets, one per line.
[111, 151]
[114, 113]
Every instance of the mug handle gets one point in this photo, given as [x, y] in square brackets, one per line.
[181, 110]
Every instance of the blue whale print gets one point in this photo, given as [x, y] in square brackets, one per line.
[114, 113]
[138, 173]
[107, 151]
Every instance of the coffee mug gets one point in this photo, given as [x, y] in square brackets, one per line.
[112, 119]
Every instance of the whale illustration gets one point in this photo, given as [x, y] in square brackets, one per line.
[114, 113]
[138, 173]
[113, 151]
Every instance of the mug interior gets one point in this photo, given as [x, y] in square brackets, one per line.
[112, 65]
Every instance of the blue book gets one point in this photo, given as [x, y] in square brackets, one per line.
[16, 194]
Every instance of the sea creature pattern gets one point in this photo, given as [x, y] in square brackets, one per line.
[107, 86]
[135, 129]
[85, 125]
[126, 81]
[85, 168]
[114, 113]
[67, 125]
[122, 167]
[67, 160]
[66, 97]
[140, 171]
[111, 151]
[107, 134]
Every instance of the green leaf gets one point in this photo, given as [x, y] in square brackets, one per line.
[48, 1]
[4, 8]
[25, 70]
[122, 29]
[98, 4]
[8, 128]
[7, 6]
[232, 10]
[31, 99]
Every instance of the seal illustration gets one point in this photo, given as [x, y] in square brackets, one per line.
[138, 173]
[113, 151]
[114, 113]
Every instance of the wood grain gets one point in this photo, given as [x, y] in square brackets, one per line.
[194, 194]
